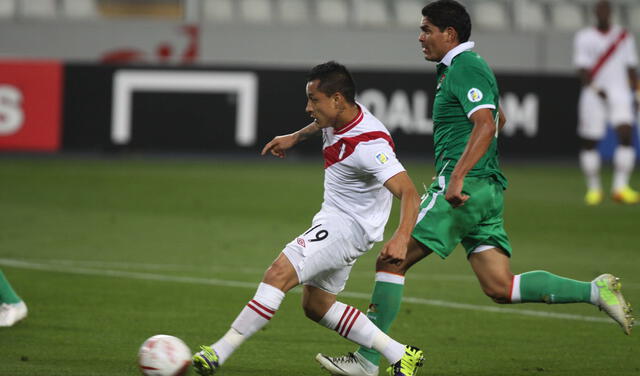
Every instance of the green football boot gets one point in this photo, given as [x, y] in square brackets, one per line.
[611, 301]
[205, 362]
[409, 363]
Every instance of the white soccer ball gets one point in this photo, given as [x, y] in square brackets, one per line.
[163, 355]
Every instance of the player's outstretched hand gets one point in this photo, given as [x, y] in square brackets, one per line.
[454, 193]
[395, 250]
[279, 145]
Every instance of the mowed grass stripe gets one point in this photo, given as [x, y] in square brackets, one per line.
[251, 285]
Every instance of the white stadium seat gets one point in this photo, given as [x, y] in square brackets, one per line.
[37, 8]
[567, 16]
[80, 8]
[293, 11]
[529, 15]
[490, 15]
[408, 13]
[370, 12]
[7, 9]
[634, 17]
[256, 11]
[332, 12]
[219, 10]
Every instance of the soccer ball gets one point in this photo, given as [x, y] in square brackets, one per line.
[163, 355]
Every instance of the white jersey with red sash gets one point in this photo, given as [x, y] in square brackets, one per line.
[606, 55]
[358, 159]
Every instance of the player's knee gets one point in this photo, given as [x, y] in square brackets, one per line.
[314, 311]
[499, 292]
[280, 275]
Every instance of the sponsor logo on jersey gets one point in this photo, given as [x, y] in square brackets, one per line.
[382, 158]
[474, 95]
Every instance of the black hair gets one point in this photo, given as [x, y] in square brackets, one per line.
[334, 78]
[449, 13]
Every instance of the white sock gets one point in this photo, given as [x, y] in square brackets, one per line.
[253, 317]
[590, 164]
[352, 324]
[623, 161]
[595, 293]
[515, 290]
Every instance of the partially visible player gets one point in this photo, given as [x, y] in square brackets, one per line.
[464, 205]
[606, 59]
[362, 174]
[12, 308]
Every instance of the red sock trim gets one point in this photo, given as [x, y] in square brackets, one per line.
[256, 310]
[355, 318]
[344, 313]
[263, 307]
[513, 278]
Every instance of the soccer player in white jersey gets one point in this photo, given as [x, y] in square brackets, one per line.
[362, 174]
[606, 58]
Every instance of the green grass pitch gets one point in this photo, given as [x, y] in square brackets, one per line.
[109, 252]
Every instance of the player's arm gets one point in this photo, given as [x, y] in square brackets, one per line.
[586, 81]
[633, 82]
[484, 130]
[502, 119]
[280, 144]
[395, 250]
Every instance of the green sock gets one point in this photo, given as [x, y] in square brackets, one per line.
[384, 307]
[543, 287]
[7, 295]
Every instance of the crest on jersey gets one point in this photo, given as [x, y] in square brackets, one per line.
[474, 95]
[301, 242]
[382, 158]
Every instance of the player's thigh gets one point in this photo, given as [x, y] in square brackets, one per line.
[592, 115]
[324, 254]
[620, 109]
[439, 227]
[487, 203]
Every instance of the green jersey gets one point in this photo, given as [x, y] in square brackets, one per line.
[465, 85]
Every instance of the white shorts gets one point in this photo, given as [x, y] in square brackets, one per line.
[594, 113]
[324, 254]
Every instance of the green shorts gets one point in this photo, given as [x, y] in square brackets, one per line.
[478, 222]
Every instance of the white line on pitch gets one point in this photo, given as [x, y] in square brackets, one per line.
[253, 270]
[252, 285]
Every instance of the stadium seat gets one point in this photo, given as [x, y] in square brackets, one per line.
[634, 17]
[567, 16]
[43, 9]
[219, 10]
[293, 11]
[332, 12]
[370, 12]
[529, 15]
[490, 15]
[7, 9]
[256, 11]
[79, 8]
[407, 13]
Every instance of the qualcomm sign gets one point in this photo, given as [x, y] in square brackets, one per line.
[408, 111]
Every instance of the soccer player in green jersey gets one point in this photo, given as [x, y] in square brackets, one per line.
[465, 203]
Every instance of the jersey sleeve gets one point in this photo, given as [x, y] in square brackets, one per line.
[632, 53]
[377, 158]
[581, 58]
[472, 87]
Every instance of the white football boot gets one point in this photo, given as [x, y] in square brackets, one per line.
[12, 313]
[609, 299]
[348, 365]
